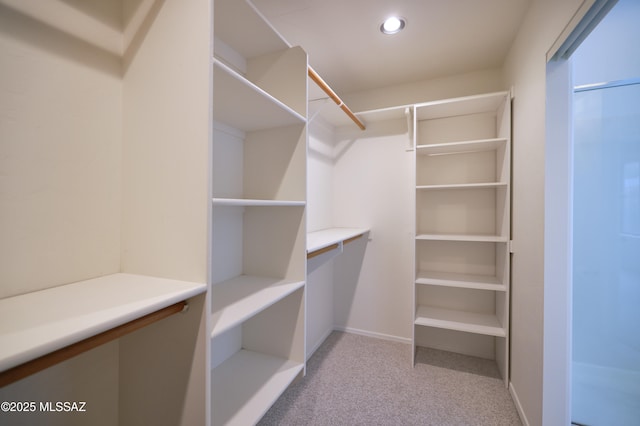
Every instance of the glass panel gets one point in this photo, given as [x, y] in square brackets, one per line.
[606, 245]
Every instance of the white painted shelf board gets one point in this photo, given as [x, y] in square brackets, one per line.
[333, 115]
[385, 114]
[461, 106]
[244, 202]
[458, 320]
[246, 385]
[241, 104]
[450, 279]
[318, 240]
[461, 147]
[463, 186]
[38, 323]
[238, 299]
[462, 237]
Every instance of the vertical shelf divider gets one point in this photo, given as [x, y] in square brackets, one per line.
[258, 215]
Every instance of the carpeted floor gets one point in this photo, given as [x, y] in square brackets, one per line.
[357, 380]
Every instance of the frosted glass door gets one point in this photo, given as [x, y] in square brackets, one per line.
[606, 245]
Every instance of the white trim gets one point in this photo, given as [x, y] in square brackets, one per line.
[607, 84]
[556, 380]
[516, 402]
[381, 336]
[586, 18]
[570, 27]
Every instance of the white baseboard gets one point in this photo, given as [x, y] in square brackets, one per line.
[516, 401]
[374, 334]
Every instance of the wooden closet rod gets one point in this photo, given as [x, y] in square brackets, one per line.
[329, 91]
[31, 367]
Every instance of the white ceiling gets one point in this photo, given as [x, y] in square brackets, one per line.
[442, 37]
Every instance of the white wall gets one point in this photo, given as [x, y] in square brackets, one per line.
[320, 159]
[525, 70]
[166, 116]
[60, 157]
[373, 189]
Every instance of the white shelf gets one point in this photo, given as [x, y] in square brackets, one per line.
[246, 385]
[241, 104]
[463, 186]
[449, 279]
[462, 237]
[38, 323]
[238, 299]
[461, 147]
[318, 240]
[461, 321]
[461, 106]
[243, 202]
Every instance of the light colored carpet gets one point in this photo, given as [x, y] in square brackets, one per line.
[357, 380]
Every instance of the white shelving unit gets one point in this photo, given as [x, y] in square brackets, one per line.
[463, 226]
[258, 220]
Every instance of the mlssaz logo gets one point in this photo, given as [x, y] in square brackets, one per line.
[63, 406]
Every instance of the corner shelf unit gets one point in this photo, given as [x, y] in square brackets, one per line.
[462, 180]
[258, 240]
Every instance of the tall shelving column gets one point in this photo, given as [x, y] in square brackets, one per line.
[463, 226]
[259, 226]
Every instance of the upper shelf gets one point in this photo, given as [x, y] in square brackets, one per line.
[38, 323]
[463, 237]
[483, 185]
[461, 147]
[241, 104]
[332, 114]
[491, 102]
[243, 202]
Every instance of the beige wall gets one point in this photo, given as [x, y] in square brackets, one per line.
[165, 148]
[471, 83]
[60, 157]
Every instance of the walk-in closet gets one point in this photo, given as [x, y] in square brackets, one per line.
[241, 212]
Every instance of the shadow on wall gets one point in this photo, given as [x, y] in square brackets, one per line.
[346, 278]
[347, 136]
[89, 36]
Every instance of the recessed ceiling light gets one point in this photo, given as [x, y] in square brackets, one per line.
[393, 25]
